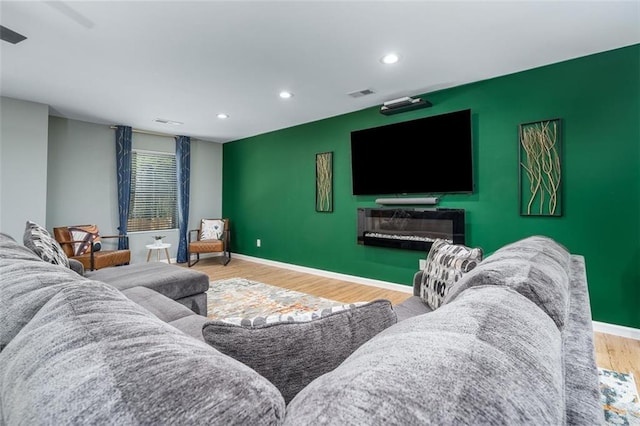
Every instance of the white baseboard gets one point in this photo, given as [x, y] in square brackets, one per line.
[600, 327]
[616, 330]
[328, 274]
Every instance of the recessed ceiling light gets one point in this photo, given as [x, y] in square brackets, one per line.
[222, 116]
[390, 58]
[286, 95]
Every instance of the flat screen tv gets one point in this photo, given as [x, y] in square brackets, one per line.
[431, 155]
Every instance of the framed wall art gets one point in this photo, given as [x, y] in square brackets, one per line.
[324, 182]
[540, 168]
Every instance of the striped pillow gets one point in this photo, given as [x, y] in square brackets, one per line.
[38, 240]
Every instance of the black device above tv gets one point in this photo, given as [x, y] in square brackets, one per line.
[427, 155]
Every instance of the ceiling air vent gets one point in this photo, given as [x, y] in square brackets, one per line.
[10, 36]
[361, 93]
[165, 121]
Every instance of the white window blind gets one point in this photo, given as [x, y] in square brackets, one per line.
[154, 191]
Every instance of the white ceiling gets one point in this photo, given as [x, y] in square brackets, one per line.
[132, 62]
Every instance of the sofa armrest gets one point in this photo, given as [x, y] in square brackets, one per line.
[417, 282]
[76, 266]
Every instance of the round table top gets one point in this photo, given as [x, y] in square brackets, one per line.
[158, 246]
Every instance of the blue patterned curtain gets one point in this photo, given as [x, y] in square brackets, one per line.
[123, 166]
[183, 169]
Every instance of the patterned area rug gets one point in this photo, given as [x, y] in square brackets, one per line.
[239, 297]
[619, 396]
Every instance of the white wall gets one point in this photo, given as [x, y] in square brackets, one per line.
[23, 165]
[82, 180]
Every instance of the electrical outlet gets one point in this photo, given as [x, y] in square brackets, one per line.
[258, 242]
[422, 264]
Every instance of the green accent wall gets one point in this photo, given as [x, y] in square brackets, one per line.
[269, 179]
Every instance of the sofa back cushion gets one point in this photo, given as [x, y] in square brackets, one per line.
[292, 350]
[490, 357]
[536, 267]
[91, 356]
[26, 284]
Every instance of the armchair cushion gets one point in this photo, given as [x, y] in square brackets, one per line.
[206, 246]
[211, 229]
[105, 258]
[42, 243]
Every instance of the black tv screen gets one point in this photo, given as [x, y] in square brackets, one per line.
[427, 155]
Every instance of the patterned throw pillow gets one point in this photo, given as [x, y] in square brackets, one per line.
[289, 318]
[38, 240]
[446, 263]
[86, 234]
[212, 229]
[294, 350]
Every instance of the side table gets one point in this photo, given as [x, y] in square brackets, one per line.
[158, 247]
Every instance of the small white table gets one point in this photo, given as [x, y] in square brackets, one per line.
[158, 247]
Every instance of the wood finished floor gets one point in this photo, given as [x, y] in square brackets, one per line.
[612, 352]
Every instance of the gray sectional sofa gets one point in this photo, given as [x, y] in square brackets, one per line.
[515, 347]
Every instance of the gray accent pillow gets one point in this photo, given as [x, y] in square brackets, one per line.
[489, 358]
[38, 239]
[292, 354]
[536, 267]
[91, 356]
[446, 264]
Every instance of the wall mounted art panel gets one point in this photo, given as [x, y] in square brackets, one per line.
[540, 168]
[324, 182]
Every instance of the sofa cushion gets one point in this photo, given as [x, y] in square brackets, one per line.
[173, 281]
[490, 357]
[38, 239]
[191, 325]
[536, 267]
[446, 264]
[91, 356]
[411, 307]
[26, 284]
[293, 353]
[159, 305]
[10, 249]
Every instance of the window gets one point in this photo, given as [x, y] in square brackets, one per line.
[154, 192]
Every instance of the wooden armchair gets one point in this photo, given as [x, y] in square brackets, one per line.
[212, 237]
[84, 247]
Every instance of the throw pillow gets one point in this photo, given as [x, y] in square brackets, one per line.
[38, 240]
[446, 263]
[211, 229]
[293, 351]
[85, 234]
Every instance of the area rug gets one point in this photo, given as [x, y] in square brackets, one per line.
[619, 396]
[239, 297]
